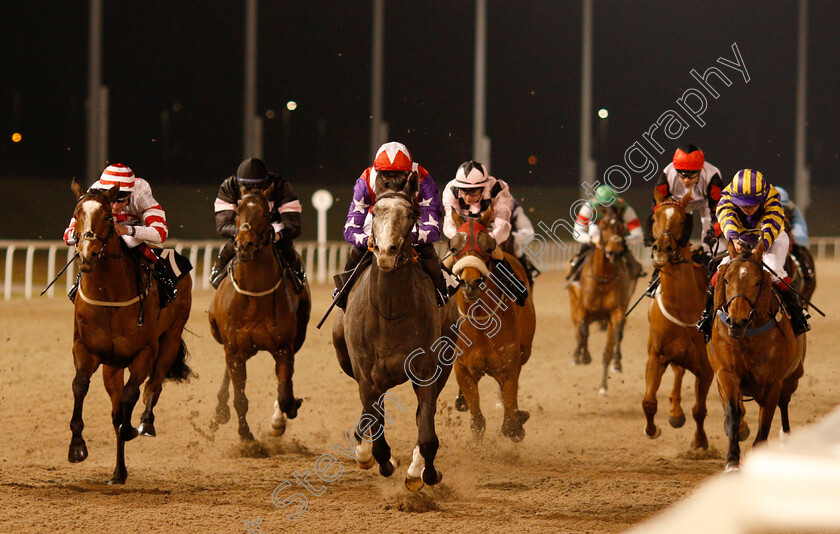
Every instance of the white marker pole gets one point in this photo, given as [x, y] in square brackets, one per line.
[321, 201]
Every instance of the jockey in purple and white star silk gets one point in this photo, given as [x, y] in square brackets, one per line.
[394, 157]
[393, 166]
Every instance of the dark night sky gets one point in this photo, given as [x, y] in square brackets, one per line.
[159, 53]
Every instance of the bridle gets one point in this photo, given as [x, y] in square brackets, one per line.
[263, 238]
[90, 235]
[752, 304]
[674, 256]
[473, 228]
[407, 253]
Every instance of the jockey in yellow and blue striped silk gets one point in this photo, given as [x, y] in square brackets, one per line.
[751, 204]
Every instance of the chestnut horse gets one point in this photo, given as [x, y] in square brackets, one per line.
[673, 339]
[112, 290]
[602, 294]
[387, 335]
[753, 350]
[503, 350]
[256, 308]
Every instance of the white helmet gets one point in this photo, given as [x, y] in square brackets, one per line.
[470, 175]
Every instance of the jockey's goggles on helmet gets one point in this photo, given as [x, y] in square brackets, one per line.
[122, 197]
[472, 191]
[691, 175]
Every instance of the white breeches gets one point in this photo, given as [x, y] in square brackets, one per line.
[775, 257]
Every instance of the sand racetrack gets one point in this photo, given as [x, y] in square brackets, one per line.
[584, 466]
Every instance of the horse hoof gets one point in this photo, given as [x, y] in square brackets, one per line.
[700, 444]
[117, 481]
[431, 478]
[222, 414]
[783, 435]
[616, 366]
[278, 429]
[293, 411]
[366, 464]
[602, 392]
[656, 433]
[388, 469]
[677, 422]
[147, 430]
[247, 436]
[744, 432]
[461, 403]
[731, 467]
[414, 483]
[77, 453]
[128, 433]
[586, 359]
[522, 416]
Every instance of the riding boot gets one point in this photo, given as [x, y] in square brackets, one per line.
[706, 321]
[575, 263]
[71, 293]
[166, 286]
[292, 261]
[342, 279]
[501, 271]
[633, 265]
[798, 317]
[218, 273]
[430, 262]
[530, 270]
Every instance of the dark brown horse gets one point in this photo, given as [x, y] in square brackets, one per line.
[753, 350]
[673, 339]
[388, 334]
[499, 352]
[254, 309]
[603, 294]
[112, 289]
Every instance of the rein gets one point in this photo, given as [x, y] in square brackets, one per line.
[723, 315]
[674, 256]
[262, 241]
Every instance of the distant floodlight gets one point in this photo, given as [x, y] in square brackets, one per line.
[16, 137]
[291, 105]
[603, 113]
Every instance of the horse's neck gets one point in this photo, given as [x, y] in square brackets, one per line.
[601, 267]
[262, 262]
[111, 275]
[393, 292]
[679, 285]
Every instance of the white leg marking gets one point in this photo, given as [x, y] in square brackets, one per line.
[363, 451]
[277, 420]
[415, 470]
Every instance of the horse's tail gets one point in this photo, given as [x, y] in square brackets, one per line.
[180, 371]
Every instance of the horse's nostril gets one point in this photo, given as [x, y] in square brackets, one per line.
[392, 249]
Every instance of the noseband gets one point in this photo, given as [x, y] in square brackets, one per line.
[263, 239]
[90, 235]
[725, 307]
[407, 254]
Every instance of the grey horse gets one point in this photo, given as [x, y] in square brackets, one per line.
[389, 330]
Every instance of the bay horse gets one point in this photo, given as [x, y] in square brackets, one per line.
[113, 292]
[753, 350]
[602, 294]
[386, 336]
[503, 351]
[256, 308]
[673, 338]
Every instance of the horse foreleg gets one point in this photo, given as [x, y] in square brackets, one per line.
[236, 369]
[702, 383]
[370, 433]
[138, 372]
[469, 387]
[676, 417]
[617, 318]
[514, 418]
[581, 354]
[613, 334]
[728, 388]
[170, 346]
[222, 408]
[766, 412]
[743, 428]
[113, 379]
[653, 378]
[86, 364]
[427, 441]
[284, 368]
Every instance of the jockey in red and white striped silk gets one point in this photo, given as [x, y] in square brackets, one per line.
[138, 219]
[749, 205]
[391, 168]
[285, 210]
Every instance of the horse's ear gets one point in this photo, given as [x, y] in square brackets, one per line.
[688, 228]
[758, 252]
[412, 185]
[487, 216]
[242, 191]
[456, 218]
[268, 193]
[720, 287]
[685, 200]
[730, 247]
[658, 197]
[77, 188]
[112, 193]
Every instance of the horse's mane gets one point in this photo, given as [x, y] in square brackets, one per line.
[720, 288]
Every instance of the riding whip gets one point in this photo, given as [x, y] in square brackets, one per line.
[795, 292]
[76, 255]
[356, 271]
[654, 283]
